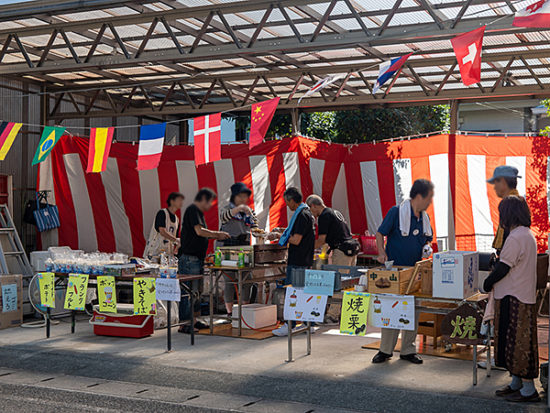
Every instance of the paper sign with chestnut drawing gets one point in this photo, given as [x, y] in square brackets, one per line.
[392, 311]
[300, 306]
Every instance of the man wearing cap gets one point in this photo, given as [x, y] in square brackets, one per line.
[504, 181]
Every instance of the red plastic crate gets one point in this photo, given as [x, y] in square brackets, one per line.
[122, 325]
[368, 244]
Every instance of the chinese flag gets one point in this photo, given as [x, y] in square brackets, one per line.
[260, 118]
[467, 47]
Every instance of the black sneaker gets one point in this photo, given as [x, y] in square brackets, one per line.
[381, 357]
[413, 358]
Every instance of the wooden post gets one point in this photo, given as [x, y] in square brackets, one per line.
[184, 132]
[295, 114]
[451, 244]
[454, 116]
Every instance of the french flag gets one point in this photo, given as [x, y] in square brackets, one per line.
[388, 69]
[534, 15]
[151, 143]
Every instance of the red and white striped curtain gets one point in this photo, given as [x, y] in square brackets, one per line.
[114, 210]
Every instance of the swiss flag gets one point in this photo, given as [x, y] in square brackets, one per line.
[534, 15]
[207, 136]
[260, 119]
[467, 47]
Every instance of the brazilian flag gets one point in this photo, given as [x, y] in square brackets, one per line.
[49, 138]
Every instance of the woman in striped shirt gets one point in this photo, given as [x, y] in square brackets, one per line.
[237, 219]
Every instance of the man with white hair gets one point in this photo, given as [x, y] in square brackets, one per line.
[334, 231]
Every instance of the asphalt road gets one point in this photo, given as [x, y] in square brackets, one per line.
[55, 381]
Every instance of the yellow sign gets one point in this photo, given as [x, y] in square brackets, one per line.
[46, 283]
[106, 291]
[355, 307]
[75, 297]
[145, 296]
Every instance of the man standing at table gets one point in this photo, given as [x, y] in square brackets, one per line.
[409, 233]
[334, 231]
[300, 237]
[504, 181]
[194, 244]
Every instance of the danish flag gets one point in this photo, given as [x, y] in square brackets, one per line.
[467, 47]
[534, 15]
[207, 136]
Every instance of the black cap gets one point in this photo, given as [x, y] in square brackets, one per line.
[239, 188]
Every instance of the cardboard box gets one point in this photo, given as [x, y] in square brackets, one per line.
[394, 281]
[455, 274]
[255, 315]
[11, 301]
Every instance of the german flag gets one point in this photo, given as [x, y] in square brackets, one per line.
[8, 132]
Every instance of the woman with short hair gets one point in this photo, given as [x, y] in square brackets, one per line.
[237, 219]
[513, 282]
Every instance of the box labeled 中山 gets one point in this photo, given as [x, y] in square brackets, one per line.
[394, 281]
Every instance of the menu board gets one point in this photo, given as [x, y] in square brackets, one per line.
[392, 311]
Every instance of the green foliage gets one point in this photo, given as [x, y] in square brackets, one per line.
[320, 125]
[546, 104]
[375, 124]
[354, 126]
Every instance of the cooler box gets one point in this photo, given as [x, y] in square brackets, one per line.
[455, 274]
[123, 323]
[255, 315]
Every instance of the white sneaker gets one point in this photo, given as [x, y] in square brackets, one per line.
[281, 331]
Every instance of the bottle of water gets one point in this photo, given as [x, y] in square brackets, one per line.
[218, 258]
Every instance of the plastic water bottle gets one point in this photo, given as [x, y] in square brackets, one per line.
[240, 260]
[218, 258]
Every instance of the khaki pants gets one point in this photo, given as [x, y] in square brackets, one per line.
[408, 339]
[339, 258]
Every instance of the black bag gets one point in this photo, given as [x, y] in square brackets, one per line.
[30, 207]
[350, 247]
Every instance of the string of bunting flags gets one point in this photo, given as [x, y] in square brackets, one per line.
[207, 129]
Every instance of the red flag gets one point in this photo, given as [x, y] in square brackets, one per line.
[260, 119]
[534, 15]
[207, 136]
[467, 47]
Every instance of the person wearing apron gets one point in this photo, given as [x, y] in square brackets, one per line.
[163, 236]
[237, 219]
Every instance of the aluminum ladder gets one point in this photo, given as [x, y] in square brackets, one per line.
[9, 232]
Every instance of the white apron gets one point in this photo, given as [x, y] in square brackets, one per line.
[156, 244]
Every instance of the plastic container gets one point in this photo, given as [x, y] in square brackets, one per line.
[123, 323]
[368, 245]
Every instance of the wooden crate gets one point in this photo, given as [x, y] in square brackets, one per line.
[398, 278]
[269, 253]
[429, 325]
[426, 275]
